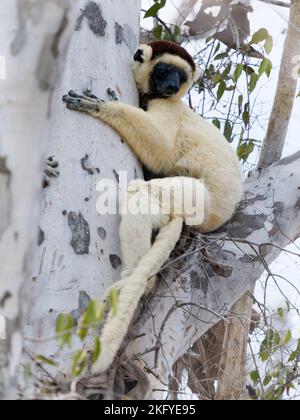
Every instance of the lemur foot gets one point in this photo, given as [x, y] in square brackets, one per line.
[82, 103]
[50, 170]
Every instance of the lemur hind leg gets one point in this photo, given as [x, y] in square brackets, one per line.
[139, 221]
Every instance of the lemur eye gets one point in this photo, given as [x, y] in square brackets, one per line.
[163, 72]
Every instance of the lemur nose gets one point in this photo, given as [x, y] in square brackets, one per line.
[171, 89]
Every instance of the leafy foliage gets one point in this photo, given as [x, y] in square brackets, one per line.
[69, 330]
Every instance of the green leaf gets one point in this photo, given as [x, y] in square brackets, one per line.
[217, 48]
[238, 72]
[91, 318]
[221, 90]
[97, 349]
[259, 36]
[157, 32]
[248, 70]
[246, 115]
[155, 9]
[221, 56]
[113, 299]
[226, 72]
[65, 324]
[264, 356]
[293, 356]
[269, 44]
[46, 361]
[217, 78]
[253, 82]
[265, 67]
[240, 103]
[280, 312]
[287, 337]
[267, 380]
[216, 123]
[230, 88]
[245, 150]
[79, 363]
[228, 130]
[254, 375]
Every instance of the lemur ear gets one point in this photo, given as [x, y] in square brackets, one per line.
[138, 56]
[143, 54]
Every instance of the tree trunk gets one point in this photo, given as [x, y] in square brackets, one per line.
[285, 94]
[79, 255]
[23, 109]
[231, 380]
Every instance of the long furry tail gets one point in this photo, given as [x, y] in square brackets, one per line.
[134, 287]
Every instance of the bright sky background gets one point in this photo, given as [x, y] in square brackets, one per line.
[275, 19]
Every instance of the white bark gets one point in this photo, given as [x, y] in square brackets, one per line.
[23, 110]
[66, 275]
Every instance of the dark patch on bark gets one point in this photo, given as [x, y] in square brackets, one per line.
[221, 270]
[115, 261]
[102, 233]
[93, 15]
[5, 178]
[116, 176]
[83, 161]
[5, 298]
[4, 169]
[81, 237]
[265, 250]
[259, 197]
[278, 209]
[243, 225]
[119, 31]
[200, 282]
[41, 237]
[57, 36]
[297, 205]
[83, 301]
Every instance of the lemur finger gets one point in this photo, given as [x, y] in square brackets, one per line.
[52, 162]
[51, 172]
[73, 94]
[88, 94]
[112, 94]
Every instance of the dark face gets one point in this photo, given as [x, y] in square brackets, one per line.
[166, 80]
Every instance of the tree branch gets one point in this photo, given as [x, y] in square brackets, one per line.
[276, 3]
[214, 274]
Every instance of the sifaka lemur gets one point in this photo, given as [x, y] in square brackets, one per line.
[172, 141]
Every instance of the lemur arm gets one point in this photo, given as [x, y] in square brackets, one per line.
[133, 124]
